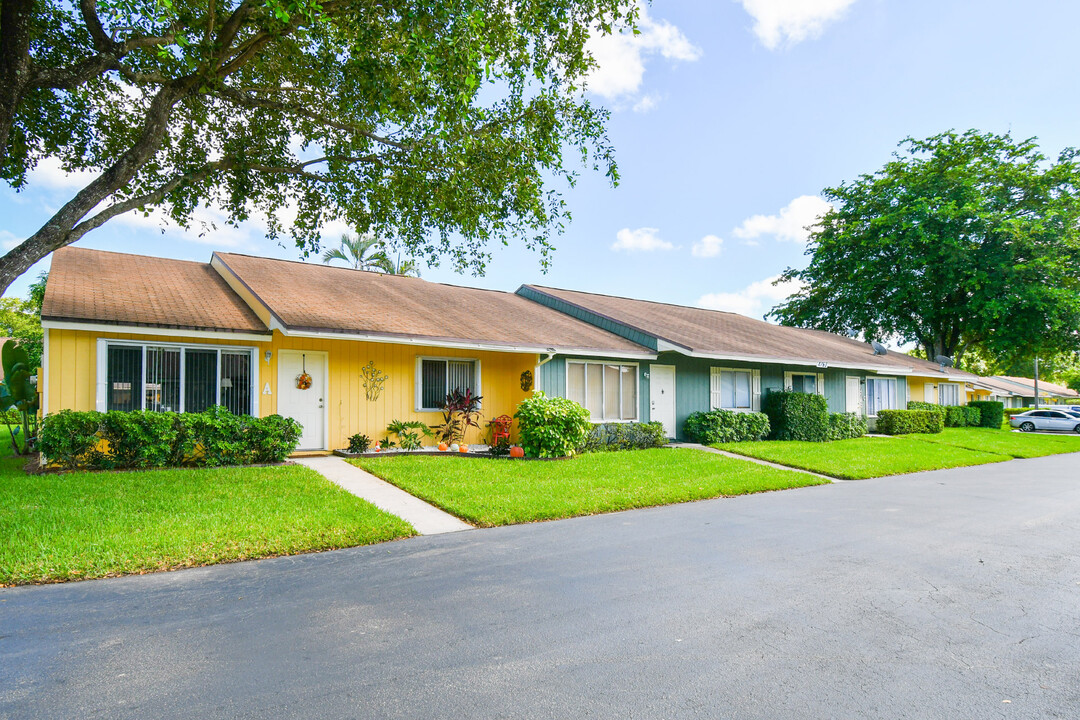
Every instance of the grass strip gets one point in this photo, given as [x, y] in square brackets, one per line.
[490, 492]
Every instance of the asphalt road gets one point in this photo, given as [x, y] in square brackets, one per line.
[953, 594]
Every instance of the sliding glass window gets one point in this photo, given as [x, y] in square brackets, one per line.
[175, 378]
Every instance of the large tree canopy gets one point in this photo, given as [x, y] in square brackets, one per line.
[961, 241]
[441, 122]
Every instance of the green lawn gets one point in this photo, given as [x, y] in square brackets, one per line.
[83, 525]
[1013, 444]
[490, 492]
[865, 457]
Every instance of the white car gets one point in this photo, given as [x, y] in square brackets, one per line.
[1046, 420]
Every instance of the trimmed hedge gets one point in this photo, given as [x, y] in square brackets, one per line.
[721, 426]
[551, 426]
[845, 426]
[991, 412]
[921, 405]
[625, 436]
[797, 416]
[147, 439]
[954, 416]
[904, 422]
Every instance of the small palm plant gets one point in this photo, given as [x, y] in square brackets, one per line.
[362, 252]
[392, 266]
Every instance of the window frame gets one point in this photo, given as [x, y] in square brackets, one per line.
[960, 393]
[585, 389]
[819, 381]
[755, 388]
[101, 399]
[896, 393]
[418, 383]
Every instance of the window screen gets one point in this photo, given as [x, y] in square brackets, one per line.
[433, 383]
[124, 378]
[162, 386]
[607, 391]
[200, 379]
[236, 382]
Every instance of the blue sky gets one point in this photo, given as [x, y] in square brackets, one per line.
[729, 117]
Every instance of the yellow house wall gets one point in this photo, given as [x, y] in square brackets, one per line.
[72, 378]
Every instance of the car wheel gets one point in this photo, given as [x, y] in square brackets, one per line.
[1076, 429]
[1027, 427]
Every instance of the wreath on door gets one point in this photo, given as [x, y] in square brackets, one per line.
[303, 380]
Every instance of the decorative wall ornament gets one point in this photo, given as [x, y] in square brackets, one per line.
[526, 380]
[374, 379]
[303, 380]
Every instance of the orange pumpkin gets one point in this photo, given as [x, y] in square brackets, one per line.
[517, 452]
[443, 447]
[463, 448]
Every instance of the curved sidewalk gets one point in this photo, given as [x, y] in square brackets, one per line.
[426, 519]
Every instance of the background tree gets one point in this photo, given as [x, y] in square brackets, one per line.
[443, 122]
[360, 252]
[961, 241]
[397, 265]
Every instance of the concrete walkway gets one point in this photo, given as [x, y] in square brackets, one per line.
[427, 519]
[736, 456]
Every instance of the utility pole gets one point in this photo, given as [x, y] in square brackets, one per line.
[1036, 382]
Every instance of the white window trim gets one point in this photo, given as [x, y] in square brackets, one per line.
[961, 395]
[755, 388]
[637, 386]
[418, 395]
[819, 382]
[866, 394]
[101, 400]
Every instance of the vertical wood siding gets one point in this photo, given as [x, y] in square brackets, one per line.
[73, 378]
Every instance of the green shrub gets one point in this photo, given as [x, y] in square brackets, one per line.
[845, 426]
[954, 416]
[972, 416]
[625, 436]
[273, 438]
[797, 416]
[904, 422]
[551, 427]
[359, 443]
[145, 439]
[71, 438]
[137, 439]
[991, 412]
[920, 405]
[721, 426]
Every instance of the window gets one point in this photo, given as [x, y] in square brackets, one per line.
[948, 394]
[880, 395]
[438, 377]
[804, 383]
[730, 389]
[174, 378]
[609, 391]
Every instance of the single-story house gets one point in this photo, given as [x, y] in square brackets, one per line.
[131, 332]
[1017, 392]
[708, 359]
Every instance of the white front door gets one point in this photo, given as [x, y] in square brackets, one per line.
[928, 393]
[662, 397]
[854, 395]
[306, 407]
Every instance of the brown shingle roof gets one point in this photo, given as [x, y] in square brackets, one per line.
[724, 334]
[320, 298]
[119, 289]
[1028, 385]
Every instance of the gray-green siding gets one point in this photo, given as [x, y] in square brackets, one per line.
[693, 377]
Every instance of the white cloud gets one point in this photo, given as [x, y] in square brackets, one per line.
[646, 103]
[708, 246]
[792, 21]
[753, 300]
[644, 239]
[9, 240]
[789, 224]
[50, 174]
[621, 56]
